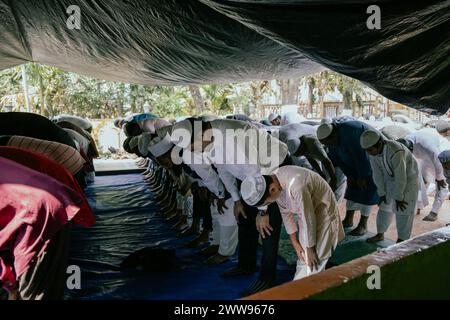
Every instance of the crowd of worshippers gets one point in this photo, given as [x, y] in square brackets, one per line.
[235, 205]
[45, 166]
[295, 175]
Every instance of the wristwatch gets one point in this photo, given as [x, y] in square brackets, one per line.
[262, 213]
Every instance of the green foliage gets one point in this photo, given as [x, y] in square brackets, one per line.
[53, 91]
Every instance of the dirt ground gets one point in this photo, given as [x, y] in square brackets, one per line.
[419, 226]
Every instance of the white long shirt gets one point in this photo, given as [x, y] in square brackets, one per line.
[209, 177]
[395, 172]
[308, 196]
[240, 158]
[428, 144]
[294, 131]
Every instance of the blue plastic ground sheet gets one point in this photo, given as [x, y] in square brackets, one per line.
[127, 221]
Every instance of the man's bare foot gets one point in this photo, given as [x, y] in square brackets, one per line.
[209, 251]
[376, 238]
[358, 231]
[216, 259]
[431, 217]
[348, 220]
[14, 295]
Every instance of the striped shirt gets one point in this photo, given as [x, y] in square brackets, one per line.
[63, 154]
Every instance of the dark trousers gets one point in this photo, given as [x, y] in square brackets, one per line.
[248, 242]
[249, 235]
[201, 210]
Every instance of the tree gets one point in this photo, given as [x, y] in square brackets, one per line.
[329, 81]
[349, 88]
[325, 81]
[54, 91]
[197, 98]
[36, 73]
[289, 91]
[11, 87]
[310, 82]
[259, 89]
[216, 98]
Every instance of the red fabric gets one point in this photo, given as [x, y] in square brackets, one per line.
[53, 169]
[33, 207]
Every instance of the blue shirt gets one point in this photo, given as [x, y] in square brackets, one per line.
[143, 116]
[354, 160]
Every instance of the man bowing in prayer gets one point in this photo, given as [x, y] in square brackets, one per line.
[303, 193]
[396, 175]
[344, 150]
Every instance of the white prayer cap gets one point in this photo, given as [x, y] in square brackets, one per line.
[253, 189]
[273, 116]
[293, 145]
[442, 126]
[143, 142]
[369, 138]
[444, 156]
[160, 146]
[324, 131]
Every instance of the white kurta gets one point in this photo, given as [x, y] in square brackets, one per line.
[225, 229]
[396, 175]
[341, 185]
[291, 117]
[240, 158]
[395, 131]
[208, 176]
[308, 196]
[428, 144]
[294, 131]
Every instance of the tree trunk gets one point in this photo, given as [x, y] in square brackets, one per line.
[310, 98]
[42, 94]
[289, 91]
[133, 98]
[120, 100]
[321, 103]
[346, 103]
[256, 96]
[198, 99]
[387, 108]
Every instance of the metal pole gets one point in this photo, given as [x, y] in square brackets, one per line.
[25, 87]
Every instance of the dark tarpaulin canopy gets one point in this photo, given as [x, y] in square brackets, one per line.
[215, 41]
